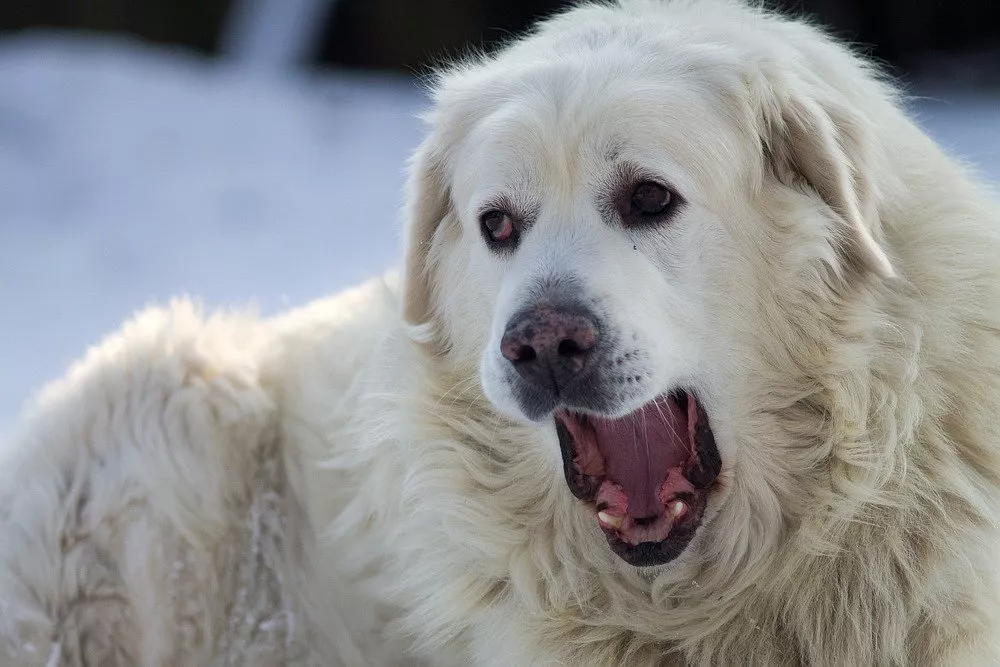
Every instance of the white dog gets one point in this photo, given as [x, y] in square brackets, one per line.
[695, 359]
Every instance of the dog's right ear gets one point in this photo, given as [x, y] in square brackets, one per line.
[428, 203]
[458, 101]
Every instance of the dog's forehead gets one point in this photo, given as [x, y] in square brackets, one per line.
[560, 127]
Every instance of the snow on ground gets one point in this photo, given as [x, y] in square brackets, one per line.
[129, 174]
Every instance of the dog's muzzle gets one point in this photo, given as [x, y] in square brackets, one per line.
[553, 349]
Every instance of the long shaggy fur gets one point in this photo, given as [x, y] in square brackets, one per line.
[334, 487]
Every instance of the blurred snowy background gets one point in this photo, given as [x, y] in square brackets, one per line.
[253, 151]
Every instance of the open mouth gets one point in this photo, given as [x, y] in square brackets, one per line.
[648, 474]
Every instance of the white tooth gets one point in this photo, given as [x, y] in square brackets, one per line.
[613, 521]
[678, 509]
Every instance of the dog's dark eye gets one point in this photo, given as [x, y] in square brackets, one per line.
[498, 228]
[650, 200]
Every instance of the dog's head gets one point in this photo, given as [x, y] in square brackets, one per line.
[631, 223]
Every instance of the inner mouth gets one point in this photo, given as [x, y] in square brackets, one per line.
[648, 474]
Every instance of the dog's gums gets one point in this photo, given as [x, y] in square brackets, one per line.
[648, 474]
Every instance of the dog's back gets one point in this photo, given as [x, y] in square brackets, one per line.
[143, 506]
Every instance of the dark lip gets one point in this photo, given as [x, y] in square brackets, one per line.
[650, 554]
[702, 474]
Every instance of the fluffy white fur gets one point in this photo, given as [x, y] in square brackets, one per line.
[335, 487]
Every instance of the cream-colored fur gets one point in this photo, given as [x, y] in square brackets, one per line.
[335, 487]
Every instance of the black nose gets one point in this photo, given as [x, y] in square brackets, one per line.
[549, 346]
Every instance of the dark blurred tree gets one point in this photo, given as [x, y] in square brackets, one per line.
[193, 23]
[409, 34]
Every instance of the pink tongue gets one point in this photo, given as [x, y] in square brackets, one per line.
[640, 448]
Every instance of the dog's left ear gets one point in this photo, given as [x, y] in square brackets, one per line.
[823, 143]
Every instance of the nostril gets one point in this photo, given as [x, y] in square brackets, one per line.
[569, 348]
[517, 350]
[525, 353]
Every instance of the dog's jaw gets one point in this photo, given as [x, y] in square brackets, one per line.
[646, 476]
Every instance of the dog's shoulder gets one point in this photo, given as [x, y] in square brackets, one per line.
[322, 346]
[313, 363]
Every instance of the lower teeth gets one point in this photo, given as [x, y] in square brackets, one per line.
[677, 509]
